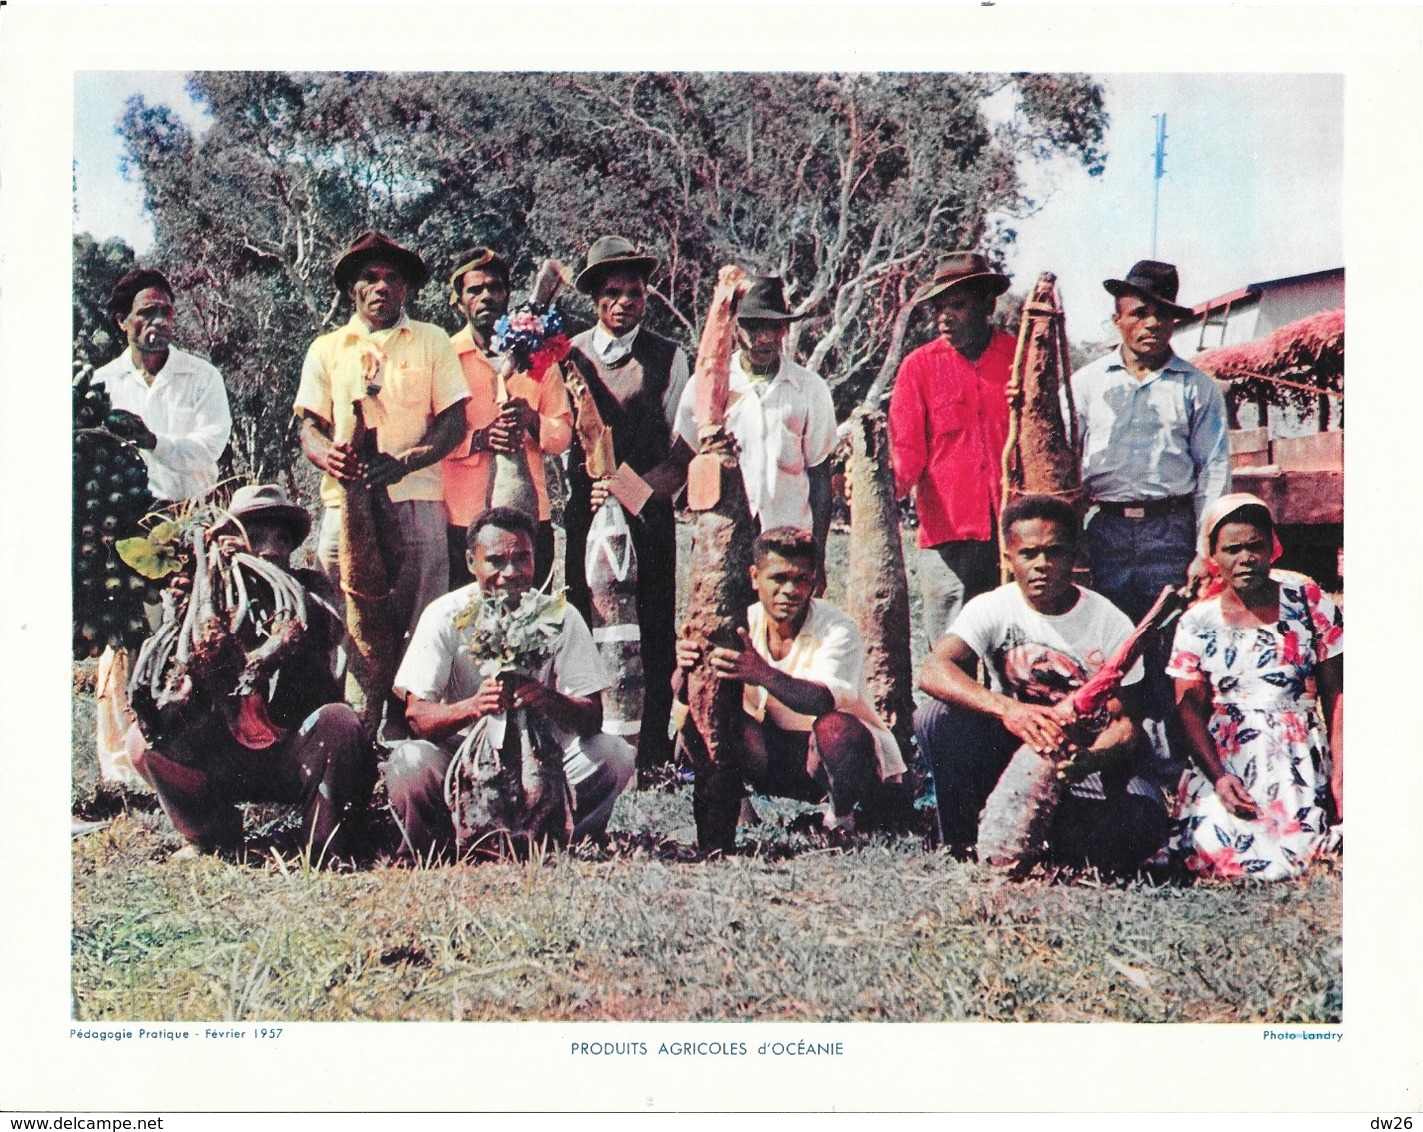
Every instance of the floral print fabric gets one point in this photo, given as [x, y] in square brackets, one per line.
[1266, 730]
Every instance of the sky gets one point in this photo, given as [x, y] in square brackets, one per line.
[1253, 188]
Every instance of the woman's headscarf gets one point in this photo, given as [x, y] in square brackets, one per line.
[1214, 516]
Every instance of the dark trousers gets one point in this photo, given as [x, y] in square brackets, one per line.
[654, 538]
[543, 555]
[1132, 560]
[968, 752]
[323, 767]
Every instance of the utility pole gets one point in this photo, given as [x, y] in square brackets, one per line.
[1160, 169]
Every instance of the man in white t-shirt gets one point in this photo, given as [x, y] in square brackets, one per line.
[812, 731]
[1040, 636]
[782, 416]
[444, 696]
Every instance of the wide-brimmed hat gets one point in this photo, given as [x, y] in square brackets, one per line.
[608, 254]
[377, 245]
[267, 501]
[477, 259]
[765, 301]
[1154, 280]
[958, 268]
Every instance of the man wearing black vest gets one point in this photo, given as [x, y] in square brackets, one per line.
[636, 379]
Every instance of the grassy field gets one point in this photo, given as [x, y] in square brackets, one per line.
[638, 930]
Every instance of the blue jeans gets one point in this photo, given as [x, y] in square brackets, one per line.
[1132, 560]
[968, 752]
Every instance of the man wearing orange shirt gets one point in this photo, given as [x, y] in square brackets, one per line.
[535, 419]
[948, 423]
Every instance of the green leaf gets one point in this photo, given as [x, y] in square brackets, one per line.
[142, 556]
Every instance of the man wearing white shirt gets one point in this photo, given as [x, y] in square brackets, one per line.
[174, 407]
[781, 415]
[811, 730]
[636, 379]
[171, 404]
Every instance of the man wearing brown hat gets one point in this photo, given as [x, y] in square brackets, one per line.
[636, 379]
[948, 423]
[297, 744]
[534, 418]
[410, 386]
[781, 415]
[1155, 455]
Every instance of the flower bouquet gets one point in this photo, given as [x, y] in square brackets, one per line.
[505, 786]
[528, 341]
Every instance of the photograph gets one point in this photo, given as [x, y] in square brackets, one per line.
[483, 473]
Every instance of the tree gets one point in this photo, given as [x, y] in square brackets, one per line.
[97, 267]
[848, 186]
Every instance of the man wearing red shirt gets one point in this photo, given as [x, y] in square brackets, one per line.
[948, 423]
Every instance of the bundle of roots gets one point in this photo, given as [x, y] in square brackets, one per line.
[218, 642]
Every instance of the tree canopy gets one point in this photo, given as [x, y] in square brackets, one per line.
[848, 186]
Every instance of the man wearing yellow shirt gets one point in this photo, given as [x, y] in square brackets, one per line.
[534, 419]
[411, 389]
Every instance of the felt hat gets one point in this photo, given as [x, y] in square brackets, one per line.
[477, 259]
[608, 254]
[267, 501]
[765, 301]
[1151, 279]
[958, 268]
[377, 245]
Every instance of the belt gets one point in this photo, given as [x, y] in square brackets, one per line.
[1147, 508]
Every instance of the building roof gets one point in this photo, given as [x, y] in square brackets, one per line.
[1254, 290]
[1311, 350]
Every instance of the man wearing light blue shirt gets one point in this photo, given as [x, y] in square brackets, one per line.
[1155, 455]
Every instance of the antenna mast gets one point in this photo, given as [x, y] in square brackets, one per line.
[1160, 169]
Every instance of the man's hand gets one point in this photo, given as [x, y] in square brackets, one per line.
[1039, 728]
[507, 431]
[490, 698]
[689, 654]
[748, 666]
[530, 693]
[383, 469]
[1235, 798]
[130, 426]
[343, 464]
[599, 494]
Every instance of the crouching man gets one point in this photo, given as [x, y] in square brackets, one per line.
[1040, 636]
[444, 696]
[811, 730]
[293, 740]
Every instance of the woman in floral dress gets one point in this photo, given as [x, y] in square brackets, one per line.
[1250, 663]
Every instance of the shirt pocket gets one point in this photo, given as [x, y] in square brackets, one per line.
[405, 385]
[948, 414]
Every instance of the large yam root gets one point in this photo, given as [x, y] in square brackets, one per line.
[721, 593]
[1014, 824]
[1040, 457]
[878, 599]
[370, 556]
[721, 583]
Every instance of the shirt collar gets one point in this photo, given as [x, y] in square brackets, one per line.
[463, 342]
[131, 369]
[610, 349]
[742, 370]
[358, 329]
[1173, 364]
